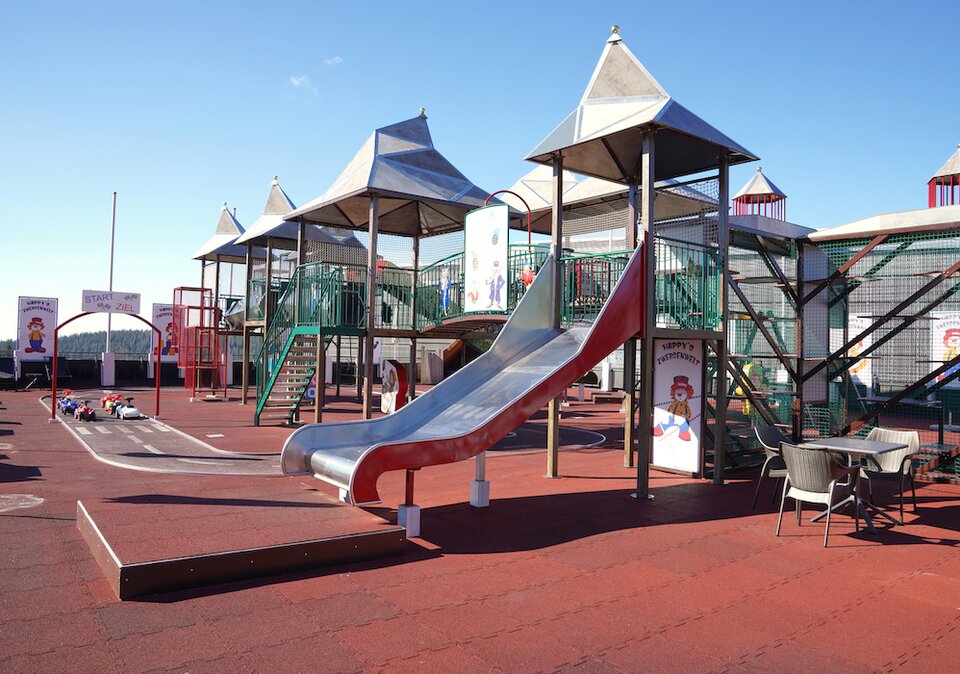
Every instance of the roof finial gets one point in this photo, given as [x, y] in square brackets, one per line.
[276, 181]
[759, 169]
[423, 112]
[615, 30]
[224, 205]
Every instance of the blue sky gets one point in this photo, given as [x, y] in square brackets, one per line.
[181, 106]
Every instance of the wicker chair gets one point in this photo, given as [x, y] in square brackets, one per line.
[896, 465]
[770, 438]
[814, 476]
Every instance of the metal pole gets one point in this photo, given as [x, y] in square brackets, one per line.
[371, 309]
[645, 425]
[723, 245]
[630, 348]
[412, 371]
[113, 228]
[556, 248]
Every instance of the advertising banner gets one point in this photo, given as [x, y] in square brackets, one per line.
[861, 372]
[162, 318]
[36, 321]
[485, 258]
[108, 302]
[678, 404]
[945, 344]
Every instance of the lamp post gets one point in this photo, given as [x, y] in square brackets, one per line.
[108, 367]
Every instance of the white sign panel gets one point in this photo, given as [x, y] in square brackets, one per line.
[945, 344]
[861, 372]
[678, 403]
[162, 318]
[36, 321]
[111, 302]
[485, 258]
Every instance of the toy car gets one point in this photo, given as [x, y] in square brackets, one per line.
[84, 412]
[127, 410]
[112, 405]
[69, 406]
[110, 397]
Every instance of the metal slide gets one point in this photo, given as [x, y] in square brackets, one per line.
[464, 415]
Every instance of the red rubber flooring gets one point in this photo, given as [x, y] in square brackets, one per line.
[557, 575]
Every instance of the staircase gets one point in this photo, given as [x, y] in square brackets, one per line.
[308, 307]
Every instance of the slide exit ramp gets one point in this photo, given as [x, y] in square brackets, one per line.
[529, 364]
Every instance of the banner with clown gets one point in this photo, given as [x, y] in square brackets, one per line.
[36, 321]
[945, 345]
[485, 253]
[162, 318]
[677, 404]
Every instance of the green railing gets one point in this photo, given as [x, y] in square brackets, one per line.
[395, 298]
[440, 285]
[588, 281]
[688, 284]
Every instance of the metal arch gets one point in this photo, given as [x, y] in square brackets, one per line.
[56, 344]
[525, 205]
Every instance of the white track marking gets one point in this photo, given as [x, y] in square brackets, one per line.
[151, 448]
[200, 461]
[84, 431]
[163, 429]
[214, 435]
[101, 429]
[134, 438]
[124, 429]
[144, 429]
[18, 501]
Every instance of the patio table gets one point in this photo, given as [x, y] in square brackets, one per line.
[857, 448]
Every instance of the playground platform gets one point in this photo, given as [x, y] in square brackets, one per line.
[564, 574]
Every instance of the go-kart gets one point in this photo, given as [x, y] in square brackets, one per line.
[127, 410]
[68, 406]
[84, 412]
[110, 397]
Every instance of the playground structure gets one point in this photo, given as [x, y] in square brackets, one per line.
[201, 348]
[789, 318]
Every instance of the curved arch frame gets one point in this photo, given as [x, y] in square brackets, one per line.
[56, 345]
[491, 196]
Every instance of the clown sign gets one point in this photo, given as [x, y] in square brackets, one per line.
[36, 320]
[945, 345]
[163, 320]
[678, 404]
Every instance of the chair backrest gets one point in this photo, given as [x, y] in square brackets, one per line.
[770, 438]
[809, 469]
[891, 462]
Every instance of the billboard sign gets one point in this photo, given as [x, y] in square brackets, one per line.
[36, 321]
[115, 302]
[162, 319]
[485, 258]
[678, 404]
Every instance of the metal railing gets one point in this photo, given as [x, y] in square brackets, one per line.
[588, 281]
[440, 291]
[688, 284]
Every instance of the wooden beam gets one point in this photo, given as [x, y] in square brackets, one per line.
[844, 268]
[777, 271]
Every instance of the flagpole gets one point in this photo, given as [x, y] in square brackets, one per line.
[113, 227]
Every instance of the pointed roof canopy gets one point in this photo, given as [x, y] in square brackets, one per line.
[759, 186]
[420, 191]
[951, 167]
[672, 200]
[602, 137]
[222, 243]
[273, 223]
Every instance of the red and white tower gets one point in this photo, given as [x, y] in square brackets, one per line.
[760, 197]
[944, 187]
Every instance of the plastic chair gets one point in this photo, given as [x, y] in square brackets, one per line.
[896, 465]
[770, 438]
[814, 476]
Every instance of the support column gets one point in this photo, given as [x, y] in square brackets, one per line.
[321, 376]
[480, 487]
[216, 283]
[414, 299]
[630, 347]
[556, 309]
[336, 371]
[723, 246]
[798, 399]
[371, 308]
[268, 281]
[245, 370]
[359, 368]
[408, 514]
[645, 425]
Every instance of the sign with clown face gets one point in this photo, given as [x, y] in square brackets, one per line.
[36, 321]
[945, 345]
[162, 319]
[678, 404]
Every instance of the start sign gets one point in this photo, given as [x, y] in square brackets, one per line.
[115, 302]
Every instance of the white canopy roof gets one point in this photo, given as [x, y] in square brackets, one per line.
[951, 167]
[602, 136]
[222, 242]
[537, 188]
[923, 219]
[420, 191]
[759, 185]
